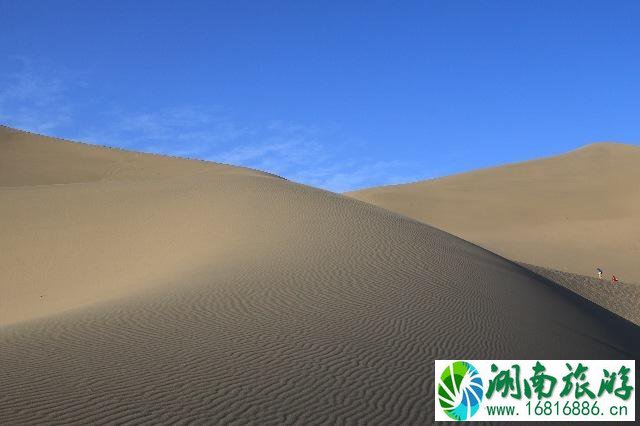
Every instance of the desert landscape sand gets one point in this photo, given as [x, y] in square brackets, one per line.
[573, 212]
[144, 289]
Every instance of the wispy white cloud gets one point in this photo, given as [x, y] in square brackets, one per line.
[277, 147]
[186, 131]
[316, 159]
[348, 175]
[30, 100]
[308, 154]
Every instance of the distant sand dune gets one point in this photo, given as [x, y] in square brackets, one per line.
[573, 212]
[198, 292]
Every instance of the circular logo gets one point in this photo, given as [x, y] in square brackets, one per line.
[460, 390]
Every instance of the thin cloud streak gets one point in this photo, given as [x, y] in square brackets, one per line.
[305, 154]
[29, 100]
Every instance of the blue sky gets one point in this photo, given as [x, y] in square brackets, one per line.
[341, 95]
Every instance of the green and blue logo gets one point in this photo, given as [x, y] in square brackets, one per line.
[460, 390]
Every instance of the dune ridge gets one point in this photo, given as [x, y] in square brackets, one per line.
[249, 299]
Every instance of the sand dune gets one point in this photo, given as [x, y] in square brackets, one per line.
[190, 291]
[572, 213]
[81, 223]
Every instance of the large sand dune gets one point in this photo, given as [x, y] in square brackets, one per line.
[81, 223]
[178, 290]
[572, 212]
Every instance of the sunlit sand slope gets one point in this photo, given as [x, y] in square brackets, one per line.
[620, 297]
[80, 223]
[572, 213]
[250, 299]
